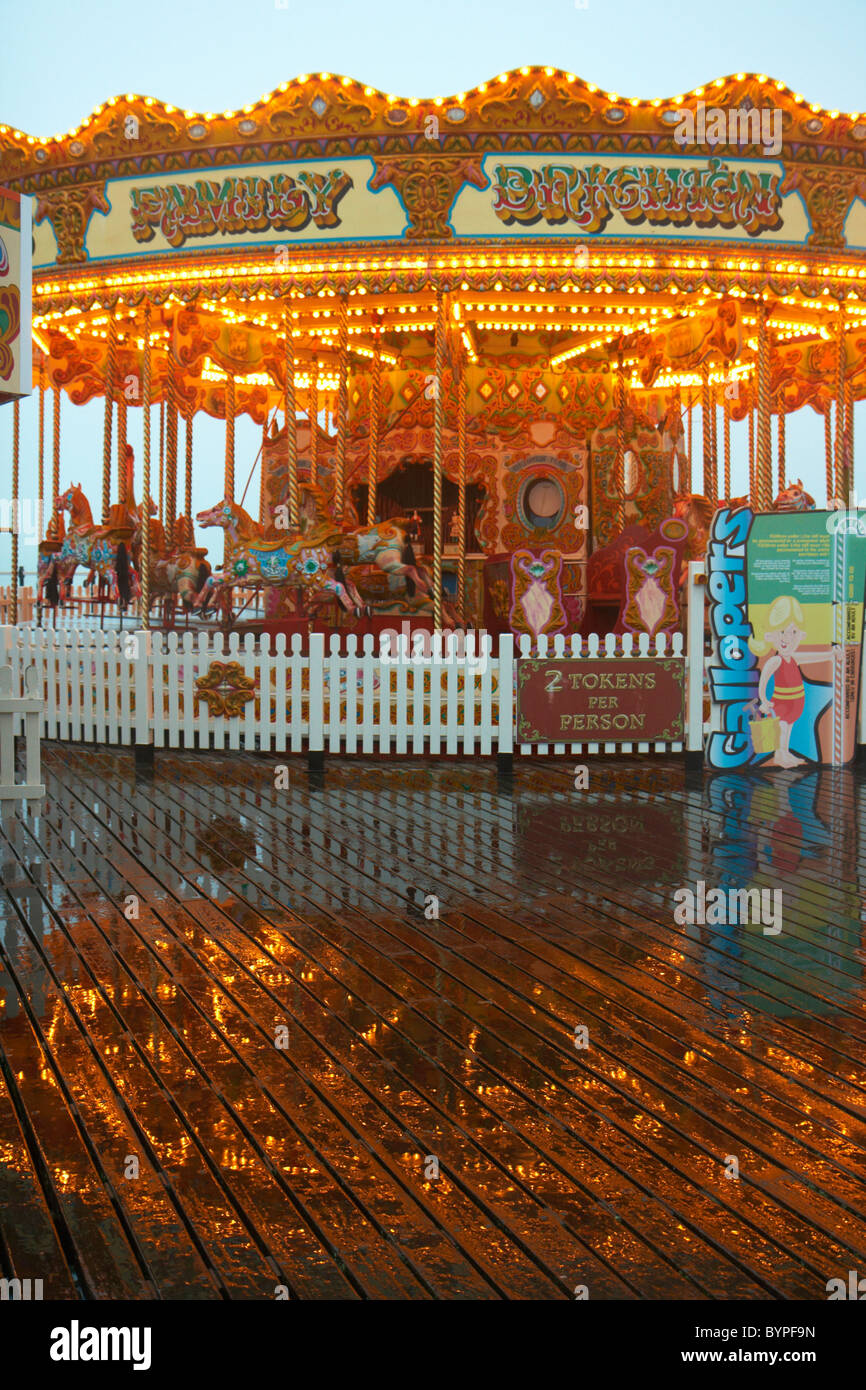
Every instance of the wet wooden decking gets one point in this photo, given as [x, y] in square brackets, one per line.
[157, 933]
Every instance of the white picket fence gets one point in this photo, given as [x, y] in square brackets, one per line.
[140, 687]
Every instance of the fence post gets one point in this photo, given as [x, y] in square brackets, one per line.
[505, 708]
[695, 664]
[316, 705]
[137, 648]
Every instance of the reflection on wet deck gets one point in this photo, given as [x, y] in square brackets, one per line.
[161, 938]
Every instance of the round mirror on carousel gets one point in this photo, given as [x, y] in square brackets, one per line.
[541, 503]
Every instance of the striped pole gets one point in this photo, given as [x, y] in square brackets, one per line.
[53, 525]
[619, 463]
[848, 451]
[780, 447]
[828, 449]
[706, 434]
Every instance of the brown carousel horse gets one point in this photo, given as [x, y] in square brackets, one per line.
[177, 569]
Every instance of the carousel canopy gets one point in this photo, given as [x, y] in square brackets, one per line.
[571, 232]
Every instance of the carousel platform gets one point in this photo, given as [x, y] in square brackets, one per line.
[240, 1049]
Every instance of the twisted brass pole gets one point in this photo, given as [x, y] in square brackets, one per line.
[780, 447]
[291, 424]
[110, 380]
[848, 441]
[170, 457]
[438, 425]
[40, 487]
[342, 408]
[373, 455]
[619, 463]
[188, 462]
[461, 489]
[145, 503]
[121, 449]
[753, 486]
[765, 445]
[726, 409]
[706, 435]
[828, 449]
[313, 413]
[53, 525]
[840, 407]
[230, 438]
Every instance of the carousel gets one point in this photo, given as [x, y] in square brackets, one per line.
[475, 333]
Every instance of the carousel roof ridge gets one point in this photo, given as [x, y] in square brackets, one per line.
[484, 89]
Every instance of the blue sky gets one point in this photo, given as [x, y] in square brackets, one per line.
[58, 61]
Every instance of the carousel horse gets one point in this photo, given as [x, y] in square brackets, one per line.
[794, 498]
[176, 570]
[387, 544]
[101, 548]
[293, 561]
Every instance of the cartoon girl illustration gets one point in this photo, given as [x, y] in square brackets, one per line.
[784, 632]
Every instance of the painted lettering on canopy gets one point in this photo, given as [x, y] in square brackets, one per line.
[733, 683]
[716, 196]
[237, 206]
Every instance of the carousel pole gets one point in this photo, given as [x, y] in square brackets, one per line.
[373, 455]
[162, 460]
[848, 440]
[840, 409]
[689, 488]
[714, 426]
[764, 471]
[16, 449]
[291, 424]
[726, 414]
[438, 426]
[342, 409]
[828, 449]
[40, 489]
[53, 525]
[121, 449]
[187, 500]
[110, 379]
[145, 504]
[706, 435]
[230, 438]
[619, 462]
[313, 413]
[170, 457]
[780, 447]
[461, 487]
[753, 491]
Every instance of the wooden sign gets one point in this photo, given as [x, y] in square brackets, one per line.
[605, 701]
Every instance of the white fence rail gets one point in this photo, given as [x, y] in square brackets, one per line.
[14, 709]
[198, 689]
